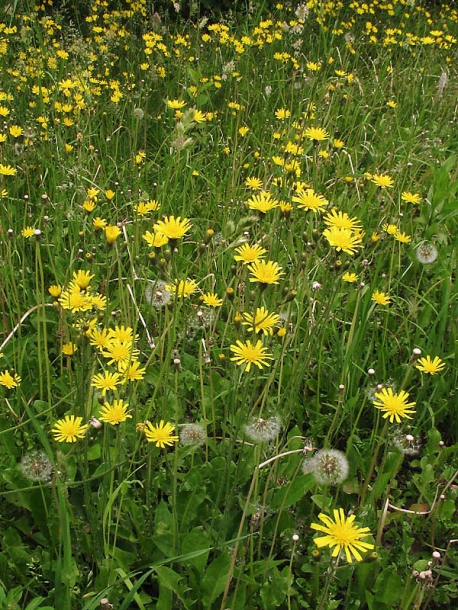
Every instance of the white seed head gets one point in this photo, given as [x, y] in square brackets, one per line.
[328, 466]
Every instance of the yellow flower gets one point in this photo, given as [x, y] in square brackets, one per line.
[410, 197]
[109, 194]
[114, 414]
[249, 254]
[68, 349]
[383, 181]
[106, 381]
[132, 372]
[254, 183]
[349, 277]
[99, 338]
[69, 429]
[160, 434]
[99, 223]
[27, 232]
[426, 365]
[341, 220]
[262, 321]
[89, 205]
[243, 131]
[15, 131]
[112, 232]
[381, 298]
[172, 227]
[182, 288]
[343, 239]
[402, 237]
[199, 116]
[342, 534]
[317, 134]
[309, 200]
[55, 291]
[393, 405]
[155, 240]
[211, 300]
[7, 170]
[248, 354]
[262, 202]
[82, 278]
[176, 104]
[8, 380]
[265, 272]
[119, 352]
[282, 113]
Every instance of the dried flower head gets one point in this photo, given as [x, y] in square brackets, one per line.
[328, 466]
[426, 253]
[157, 295]
[192, 434]
[36, 466]
[263, 430]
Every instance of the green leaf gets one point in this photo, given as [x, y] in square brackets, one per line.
[196, 540]
[214, 580]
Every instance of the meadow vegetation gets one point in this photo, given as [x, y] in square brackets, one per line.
[228, 251]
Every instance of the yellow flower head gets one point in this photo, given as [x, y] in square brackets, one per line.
[383, 181]
[172, 227]
[262, 202]
[69, 429]
[155, 240]
[309, 200]
[394, 406]
[426, 365]
[249, 254]
[160, 434]
[316, 134]
[265, 272]
[342, 534]
[9, 381]
[343, 239]
[112, 232]
[114, 413]
[381, 298]
[82, 278]
[262, 321]
[182, 288]
[248, 354]
[211, 299]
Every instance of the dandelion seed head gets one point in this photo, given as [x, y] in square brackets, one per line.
[426, 253]
[157, 295]
[36, 466]
[263, 429]
[192, 434]
[328, 466]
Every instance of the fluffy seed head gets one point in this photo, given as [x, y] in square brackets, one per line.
[328, 466]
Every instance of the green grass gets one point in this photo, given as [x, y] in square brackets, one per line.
[227, 523]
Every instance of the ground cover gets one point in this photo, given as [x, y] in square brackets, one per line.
[228, 258]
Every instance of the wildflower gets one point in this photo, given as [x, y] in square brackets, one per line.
[55, 291]
[106, 381]
[410, 197]
[426, 365]
[249, 254]
[211, 300]
[341, 220]
[119, 352]
[342, 534]
[262, 321]
[36, 466]
[157, 295]
[28, 232]
[172, 227]
[263, 430]
[393, 405]
[192, 434]
[264, 202]
[328, 466]
[349, 277]
[123, 333]
[112, 232]
[132, 372]
[176, 104]
[7, 170]
[383, 181]
[309, 200]
[82, 278]
[89, 205]
[254, 183]
[182, 288]
[109, 194]
[316, 134]
[69, 429]
[99, 223]
[406, 443]
[402, 237]
[155, 240]
[243, 131]
[248, 354]
[381, 298]
[160, 434]
[114, 414]
[282, 113]
[343, 239]
[265, 272]
[99, 338]
[391, 229]
[426, 253]
[75, 300]
[68, 349]
[9, 381]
